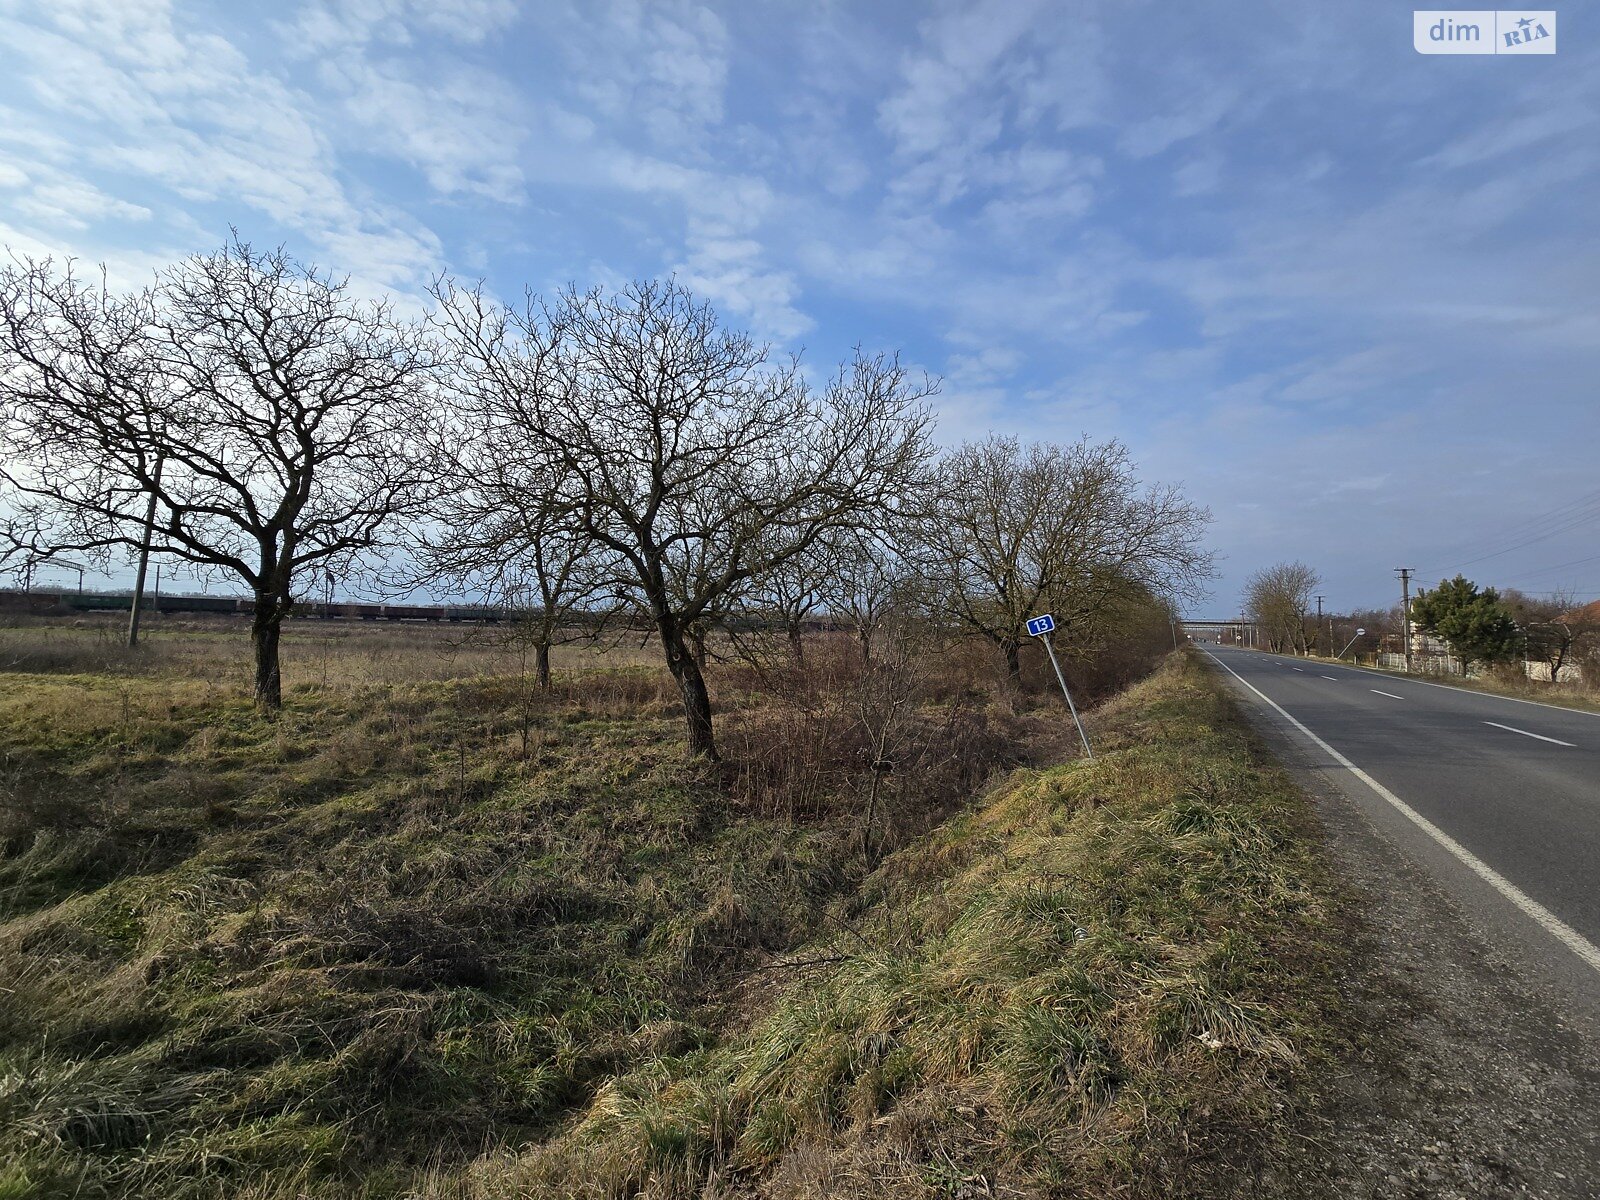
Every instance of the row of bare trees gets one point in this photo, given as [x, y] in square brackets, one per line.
[1278, 599]
[1556, 630]
[593, 455]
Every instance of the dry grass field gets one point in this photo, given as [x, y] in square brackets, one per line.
[425, 909]
[433, 932]
[195, 648]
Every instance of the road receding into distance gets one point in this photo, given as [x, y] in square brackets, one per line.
[1498, 798]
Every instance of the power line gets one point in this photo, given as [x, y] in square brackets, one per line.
[1577, 522]
[1542, 571]
[1517, 530]
[1575, 514]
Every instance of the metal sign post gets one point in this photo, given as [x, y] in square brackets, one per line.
[1040, 627]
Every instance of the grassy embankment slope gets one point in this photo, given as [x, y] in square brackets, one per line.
[1111, 978]
[409, 924]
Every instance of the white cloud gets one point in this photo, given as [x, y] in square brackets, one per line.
[181, 109]
[722, 258]
[73, 204]
[459, 129]
[661, 66]
[1519, 133]
[1198, 176]
[980, 75]
[1201, 108]
[338, 24]
[402, 87]
[946, 93]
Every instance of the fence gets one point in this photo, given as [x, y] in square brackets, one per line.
[1449, 664]
[1425, 664]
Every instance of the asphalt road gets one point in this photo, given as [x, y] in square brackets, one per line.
[1498, 799]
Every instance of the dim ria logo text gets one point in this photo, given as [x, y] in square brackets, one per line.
[1484, 31]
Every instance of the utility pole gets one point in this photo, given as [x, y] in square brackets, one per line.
[1405, 612]
[144, 559]
[1319, 624]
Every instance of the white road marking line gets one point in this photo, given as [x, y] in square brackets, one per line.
[1525, 733]
[1450, 687]
[1391, 695]
[1334, 678]
[1547, 920]
[1301, 670]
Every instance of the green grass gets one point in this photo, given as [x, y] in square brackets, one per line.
[1107, 980]
[339, 952]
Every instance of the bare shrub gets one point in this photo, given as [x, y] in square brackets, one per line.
[893, 742]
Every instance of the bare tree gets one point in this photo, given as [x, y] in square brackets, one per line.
[551, 581]
[682, 450]
[258, 416]
[1278, 598]
[1557, 630]
[1014, 530]
[501, 531]
[868, 580]
[790, 593]
[885, 703]
[1379, 624]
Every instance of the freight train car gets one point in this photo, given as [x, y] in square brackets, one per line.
[43, 602]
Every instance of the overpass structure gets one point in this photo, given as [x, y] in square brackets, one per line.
[1235, 631]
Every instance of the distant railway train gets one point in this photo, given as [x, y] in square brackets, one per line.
[339, 610]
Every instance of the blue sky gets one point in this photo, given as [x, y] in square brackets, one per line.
[1345, 293]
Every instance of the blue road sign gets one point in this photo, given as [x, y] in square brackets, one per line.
[1039, 626]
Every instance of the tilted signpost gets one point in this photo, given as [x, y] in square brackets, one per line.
[1040, 627]
[1352, 642]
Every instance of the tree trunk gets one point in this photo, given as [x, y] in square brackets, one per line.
[1013, 653]
[797, 646]
[872, 814]
[696, 709]
[541, 668]
[864, 636]
[685, 668]
[265, 627]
